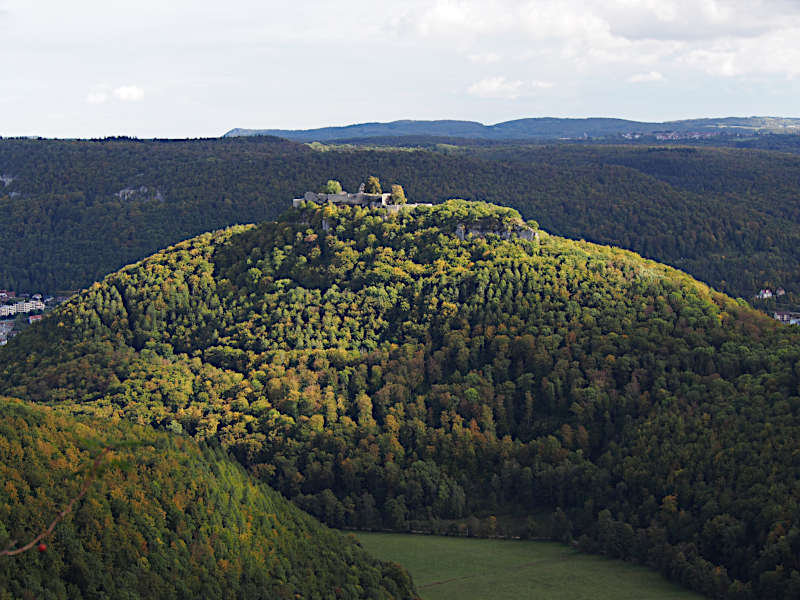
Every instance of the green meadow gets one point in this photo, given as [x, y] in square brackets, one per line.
[471, 568]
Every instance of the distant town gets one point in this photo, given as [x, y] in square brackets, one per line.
[17, 311]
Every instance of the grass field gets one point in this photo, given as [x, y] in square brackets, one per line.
[470, 568]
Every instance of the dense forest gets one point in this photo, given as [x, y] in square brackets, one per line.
[163, 518]
[383, 372]
[779, 142]
[72, 211]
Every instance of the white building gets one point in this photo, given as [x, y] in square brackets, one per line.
[785, 316]
[21, 307]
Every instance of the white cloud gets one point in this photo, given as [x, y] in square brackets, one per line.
[773, 54]
[461, 17]
[663, 10]
[96, 97]
[102, 93]
[719, 37]
[496, 87]
[698, 20]
[555, 20]
[484, 58]
[714, 62]
[502, 88]
[646, 77]
[129, 93]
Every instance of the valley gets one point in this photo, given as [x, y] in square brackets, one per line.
[472, 568]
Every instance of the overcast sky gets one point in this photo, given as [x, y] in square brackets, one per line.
[188, 68]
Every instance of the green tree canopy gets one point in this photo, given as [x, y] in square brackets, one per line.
[398, 195]
[332, 187]
[373, 185]
[162, 517]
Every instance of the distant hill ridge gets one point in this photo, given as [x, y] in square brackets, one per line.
[531, 128]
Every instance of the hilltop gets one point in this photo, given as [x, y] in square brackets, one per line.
[537, 128]
[431, 368]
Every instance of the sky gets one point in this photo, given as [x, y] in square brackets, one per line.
[197, 68]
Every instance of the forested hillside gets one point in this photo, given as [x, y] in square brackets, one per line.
[381, 372]
[163, 519]
[72, 211]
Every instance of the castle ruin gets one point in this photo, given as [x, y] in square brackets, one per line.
[360, 198]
